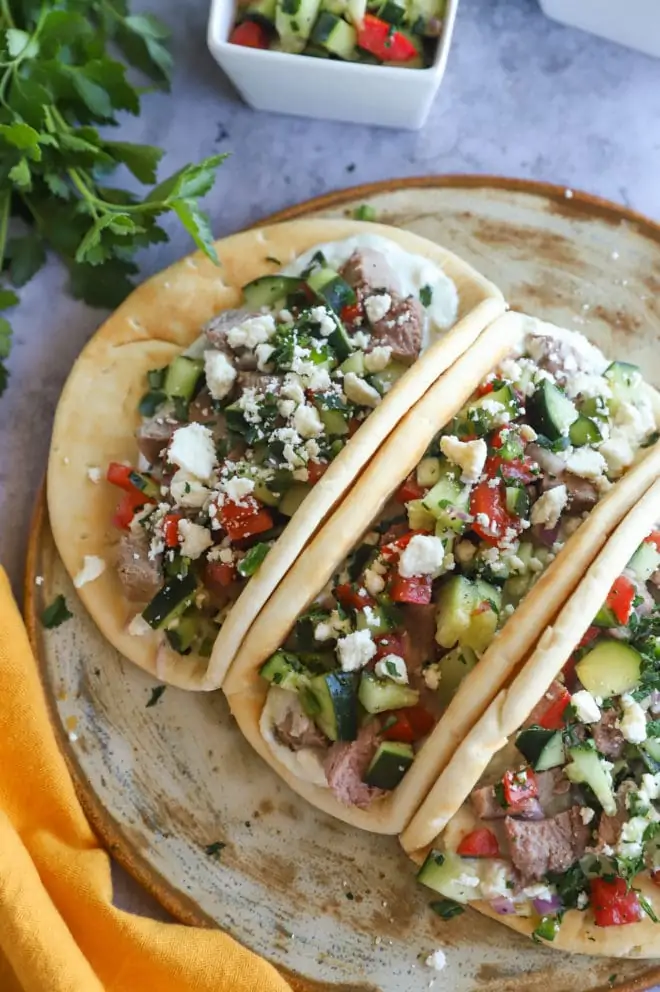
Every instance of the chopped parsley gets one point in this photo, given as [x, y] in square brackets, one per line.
[547, 929]
[446, 909]
[271, 258]
[425, 296]
[364, 212]
[498, 789]
[215, 849]
[155, 695]
[56, 613]
[570, 885]
[646, 906]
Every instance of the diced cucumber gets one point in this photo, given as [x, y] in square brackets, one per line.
[649, 751]
[585, 767]
[330, 701]
[481, 415]
[453, 668]
[265, 494]
[467, 613]
[429, 471]
[259, 10]
[550, 411]
[424, 15]
[385, 379]
[171, 601]
[624, 381]
[584, 430]
[354, 363]
[270, 291]
[355, 11]
[330, 286]
[644, 562]
[445, 872]
[605, 618]
[285, 670]
[293, 21]
[448, 498]
[543, 749]
[609, 669]
[378, 695]
[335, 35]
[517, 501]
[389, 764]
[182, 636]
[378, 621]
[182, 376]
[392, 12]
[145, 484]
[335, 422]
[293, 498]
[512, 446]
[596, 408]
[419, 517]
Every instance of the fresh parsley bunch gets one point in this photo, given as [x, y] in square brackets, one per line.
[60, 80]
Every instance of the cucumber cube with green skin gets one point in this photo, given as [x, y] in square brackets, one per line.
[389, 764]
[293, 498]
[453, 668]
[624, 380]
[260, 10]
[335, 422]
[445, 872]
[468, 613]
[649, 752]
[387, 377]
[429, 471]
[354, 363]
[294, 20]
[483, 414]
[286, 671]
[330, 700]
[550, 411]
[543, 749]
[517, 501]
[448, 498]
[583, 431]
[419, 517]
[376, 619]
[609, 669]
[171, 601]
[335, 35]
[268, 291]
[586, 768]
[328, 284]
[644, 562]
[379, 695]
[182, 376]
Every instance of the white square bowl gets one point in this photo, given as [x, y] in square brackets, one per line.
[635, 23]
[340, 91]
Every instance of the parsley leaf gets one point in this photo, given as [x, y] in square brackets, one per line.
[215, 849]
[56, 613]
[156, 693]
[446, 909]
[425, 296]
[364, 212]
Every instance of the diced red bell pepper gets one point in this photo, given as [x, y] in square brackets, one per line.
[519, 786]
[127, 506]
[412, 723]
[353, 426]
[220, 573]
[481, 843]
[417, 589]
[351, 312]
[353, 597]
[553, 717]
[620, 599]
[523, 469]
[421, 721]
[381, 39]
[118, 475]
[244, 519]
[613, 903]
[653, 539]
[250, 34]
[485, 388]
[398, 728]
[396, 546]
[315, 470]
[390, 644]
[410, 489]
[491, 502]
[171, 529]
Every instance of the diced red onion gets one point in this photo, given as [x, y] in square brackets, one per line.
[546, 536]
[503, 906]
[546, 907]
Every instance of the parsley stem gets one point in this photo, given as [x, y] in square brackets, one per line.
[5, 209]
[6, 12]
[77, 181]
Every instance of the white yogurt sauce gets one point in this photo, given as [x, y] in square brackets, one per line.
[413, 273]
[305, 764]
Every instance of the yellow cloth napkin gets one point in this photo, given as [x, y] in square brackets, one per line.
[59, 931]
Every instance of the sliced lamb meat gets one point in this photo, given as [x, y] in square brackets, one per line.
[139, 575]
[608, 738]
[346, 764]
[154, 434]
[217, 329]
[400, 329]
[582, 494]
[546, 845]
[420, 624]
[609, 828]
[261, 381]
[394, 532]
[488, 807]
[555, 691]
[297, 731]
[554, 791]
[368, 270]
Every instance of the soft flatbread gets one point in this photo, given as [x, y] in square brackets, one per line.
[247, 692]
[97, 416]
[444, 817]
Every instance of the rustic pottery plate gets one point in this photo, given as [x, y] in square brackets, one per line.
[167, 780]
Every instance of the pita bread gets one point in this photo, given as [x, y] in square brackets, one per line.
[446, 816]
[247, 692]
[97, 416]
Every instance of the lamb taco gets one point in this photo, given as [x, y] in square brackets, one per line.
[478, 517]
[215, 402]
[548, 816]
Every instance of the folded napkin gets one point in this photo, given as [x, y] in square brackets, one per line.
[59, 931]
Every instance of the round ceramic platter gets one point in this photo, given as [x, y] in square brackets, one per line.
[167, 780]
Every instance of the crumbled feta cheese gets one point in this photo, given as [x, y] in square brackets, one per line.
[436, 960]
[548, 508]
[38, 580]
[586, 463]
[238, 487]
[317, 379]
[587, 385]
[470, 456]
[586, 707]
[325, 319]
[393, 667]
[220, 374]
[539, 891]
[251, 332]
[293, 388]
[94, 474]
[378, 358]
[423, 555]
[432, 676]
[633, 722]
[312, 449]
[263, 353]
[286, 408]
[359, 391]
[496, 880]
[300, 474]
[93, 566]
[586, 814]
[194, 539]
[249, 403]
[224, 555]
[632, 834]
[192, 449]
[483, 520]
[138, 626]
[307, 422]
[324, 631]
[651, 786]
[582, 900]
[187, 490]
[361, 340]
[373, 582]
[355, 650]
[377, 306]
